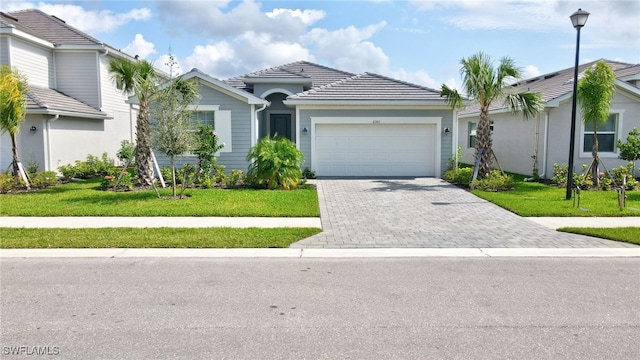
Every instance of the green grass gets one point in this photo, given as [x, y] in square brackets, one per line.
[153, 237]
[535, 199]
[626, 234]
[86, 199]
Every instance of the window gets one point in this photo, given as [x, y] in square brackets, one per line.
[606, 135]
[471, 142]
[204, 117]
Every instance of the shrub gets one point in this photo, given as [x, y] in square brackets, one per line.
[126, 154]
[92, 167]
[220, 177]
[9, 183]
[494, 181]
[559, 174]
[44, 179]
[235, 179]
[461, 176]
[118, 179]
[620, 172]
[275, 163]
[206, 145]
[308, 174]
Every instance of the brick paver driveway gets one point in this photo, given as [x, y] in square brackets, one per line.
[424, 212]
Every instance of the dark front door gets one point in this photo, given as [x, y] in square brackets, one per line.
[280, 124]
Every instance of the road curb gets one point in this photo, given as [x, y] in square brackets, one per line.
[322, 253]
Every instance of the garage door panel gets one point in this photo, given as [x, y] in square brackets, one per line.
[375, 150]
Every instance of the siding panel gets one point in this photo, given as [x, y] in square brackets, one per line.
[77, 76]
[34, 62]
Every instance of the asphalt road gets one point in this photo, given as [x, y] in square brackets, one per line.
[425, 308]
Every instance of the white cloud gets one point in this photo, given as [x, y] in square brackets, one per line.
[217, 20]
[308, 17]
[92, 22]
[611, 23]
[246, 53]
[139, 46]
[530, 71]
[419, 77]
[348, 49]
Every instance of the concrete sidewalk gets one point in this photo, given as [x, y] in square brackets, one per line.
[69, 222]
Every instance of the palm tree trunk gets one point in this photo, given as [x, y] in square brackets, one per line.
[144, 162]
[16, 159]
[483, 141]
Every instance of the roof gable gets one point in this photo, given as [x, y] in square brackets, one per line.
[297, 71]
[224, 87]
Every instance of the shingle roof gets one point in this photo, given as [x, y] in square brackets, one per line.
[554, 85]
[50, 100]
[50, 28]
[368, 86]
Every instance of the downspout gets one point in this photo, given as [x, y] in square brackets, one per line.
[545, 145]
[106, 52]
[49, 121]
[257, 129]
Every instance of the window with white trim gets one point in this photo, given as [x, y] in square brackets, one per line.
[471, 138]
[607, 135]
[204, 117]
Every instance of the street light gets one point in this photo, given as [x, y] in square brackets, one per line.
[578, 19]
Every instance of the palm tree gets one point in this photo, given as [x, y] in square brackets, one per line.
[485, 84]
[13, 105]
[595, 93]
[139, 79]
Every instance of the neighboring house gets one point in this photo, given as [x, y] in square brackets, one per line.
[73, 107]
[344, 124]
[521, 145]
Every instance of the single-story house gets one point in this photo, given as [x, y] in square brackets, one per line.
[521, 145]
[347, 125]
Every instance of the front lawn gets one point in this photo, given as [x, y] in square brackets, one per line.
[153, 237]
[86, 199]
[535, 199]
[627, 234]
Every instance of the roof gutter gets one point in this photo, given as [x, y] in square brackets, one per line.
[69, 114]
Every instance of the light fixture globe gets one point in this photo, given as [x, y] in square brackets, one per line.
[579, 18]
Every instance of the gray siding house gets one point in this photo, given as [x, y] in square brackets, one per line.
[522, 145]
[73, 107]
[346, 125]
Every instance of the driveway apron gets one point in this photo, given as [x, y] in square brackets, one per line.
[425, 212]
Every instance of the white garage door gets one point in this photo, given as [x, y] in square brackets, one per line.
[375, 149]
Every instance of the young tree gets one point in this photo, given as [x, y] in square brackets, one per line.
[172, 126]
[139, 79]
[484, 83]
[630, 150]
[595, 93]
[13, 105]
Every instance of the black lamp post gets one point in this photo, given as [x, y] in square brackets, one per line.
[578, 19]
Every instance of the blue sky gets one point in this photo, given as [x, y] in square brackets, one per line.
[418, 41]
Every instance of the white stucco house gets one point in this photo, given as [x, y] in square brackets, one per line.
[73, 107]
[346, 125]
[521, 145]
